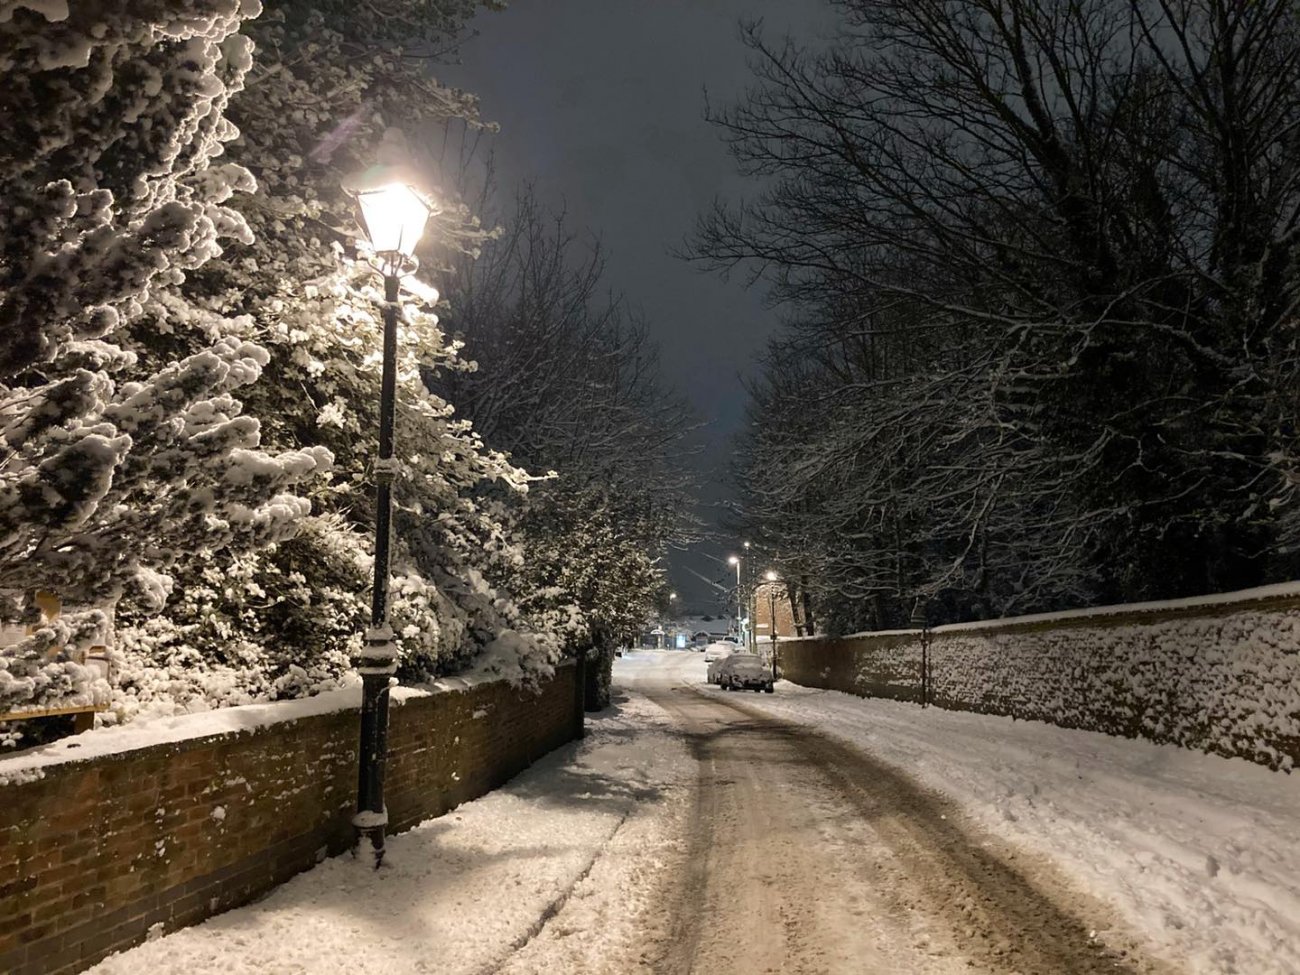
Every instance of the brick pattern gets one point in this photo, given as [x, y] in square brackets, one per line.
[95, 853]
[1223, 678]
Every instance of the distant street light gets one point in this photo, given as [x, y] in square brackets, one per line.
[747, 632]
[772, 579]
[394, 214]
[736, 560]
[920, 622]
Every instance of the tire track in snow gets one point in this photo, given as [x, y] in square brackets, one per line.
[883, 876]
[553, 908]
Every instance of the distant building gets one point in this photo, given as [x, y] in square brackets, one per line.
[690, 631]
[766, 596]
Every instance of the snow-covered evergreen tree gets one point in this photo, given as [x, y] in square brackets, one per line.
[115, 194]
[328, 81]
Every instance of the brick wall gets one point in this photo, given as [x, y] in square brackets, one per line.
[1221, 676]
[96, 852]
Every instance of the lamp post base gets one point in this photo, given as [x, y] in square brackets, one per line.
[370, 835]
[371, 819]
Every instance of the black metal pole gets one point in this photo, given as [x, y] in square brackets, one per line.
[751, 606]
[771, 620]
[378, 660]
[772, 609]
[925, 666]
[921, 620]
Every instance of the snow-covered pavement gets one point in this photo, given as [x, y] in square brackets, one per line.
[546, 874]
[592, 860]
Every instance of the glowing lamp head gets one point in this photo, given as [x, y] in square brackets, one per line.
[772, 576]
[733, 560]
[394, 215]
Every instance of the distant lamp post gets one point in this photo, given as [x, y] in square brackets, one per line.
[772, 579]
[751, 605]
[394, 214]
[736, 560]
[920, 621]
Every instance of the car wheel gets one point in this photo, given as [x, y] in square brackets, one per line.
[770, 689]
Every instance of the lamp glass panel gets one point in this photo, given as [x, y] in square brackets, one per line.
[395, 216]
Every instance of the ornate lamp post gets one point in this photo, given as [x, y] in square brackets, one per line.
[736, 560]
[772, 580]
[393, 214]
[750, 602]
[921, 622]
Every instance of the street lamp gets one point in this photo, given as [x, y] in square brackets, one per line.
[751, 604]
[920, 622]
[772, 579]
[740, 596]
[393, 213]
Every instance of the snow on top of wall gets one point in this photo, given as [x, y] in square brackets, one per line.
[1243, 596]
[146, 732]
[89, 745]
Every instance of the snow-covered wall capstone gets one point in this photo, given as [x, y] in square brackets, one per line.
[1220, 674]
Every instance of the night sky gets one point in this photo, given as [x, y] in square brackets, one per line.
[601, 106]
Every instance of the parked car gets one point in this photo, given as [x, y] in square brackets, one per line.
[714, 654]
[745, 671]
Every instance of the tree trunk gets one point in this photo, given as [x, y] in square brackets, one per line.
[597, 676]
[794, 609]
[808, 621]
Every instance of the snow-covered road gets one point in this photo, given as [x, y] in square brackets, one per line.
[1199, 855]
[808, 856]
[805, 831]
